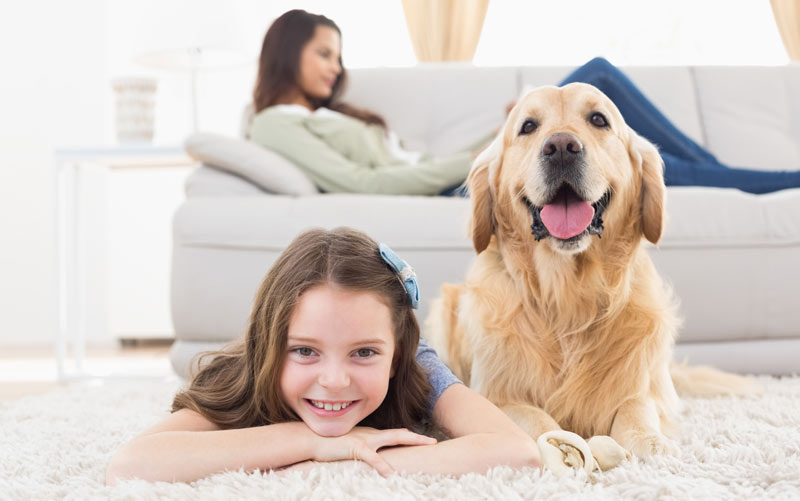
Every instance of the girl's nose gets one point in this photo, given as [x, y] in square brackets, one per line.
[334, 377]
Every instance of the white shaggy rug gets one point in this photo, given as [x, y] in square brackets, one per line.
[57, 446]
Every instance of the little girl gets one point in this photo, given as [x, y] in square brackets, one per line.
[331, 368]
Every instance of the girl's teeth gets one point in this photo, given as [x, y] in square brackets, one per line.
[330, 407]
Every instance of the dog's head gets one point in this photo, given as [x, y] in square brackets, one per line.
[564, 170]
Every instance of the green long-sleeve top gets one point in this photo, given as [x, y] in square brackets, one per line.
[343, 154]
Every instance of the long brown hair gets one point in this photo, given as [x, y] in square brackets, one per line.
[279, 65]
[239, 386]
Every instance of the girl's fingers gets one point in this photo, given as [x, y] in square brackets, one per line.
[402, 437]
[375, 460]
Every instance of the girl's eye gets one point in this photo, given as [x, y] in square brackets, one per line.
[527, 127]
[365, 353]
[598, 120]
[304, 351]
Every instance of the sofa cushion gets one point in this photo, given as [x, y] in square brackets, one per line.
[266, 169]
[748, 115]
[718, 217]
[731, 258]
[224, 245]
[271, 222]
[792, 73]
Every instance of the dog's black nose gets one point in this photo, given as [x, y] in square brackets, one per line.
[562, 146]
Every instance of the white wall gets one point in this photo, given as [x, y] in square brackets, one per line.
[57, 59]
[52, 91]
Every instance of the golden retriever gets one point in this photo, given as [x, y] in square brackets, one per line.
[563, 321]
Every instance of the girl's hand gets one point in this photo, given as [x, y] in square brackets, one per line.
[362, 443]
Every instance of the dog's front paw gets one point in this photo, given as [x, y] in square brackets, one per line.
[650, 444]
[607, 452]
[563, 451]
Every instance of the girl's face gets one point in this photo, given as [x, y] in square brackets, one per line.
[319, 63]
[338, 364]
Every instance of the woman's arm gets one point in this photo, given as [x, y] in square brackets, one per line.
[483, 437]
[186, 446]
[333, 172]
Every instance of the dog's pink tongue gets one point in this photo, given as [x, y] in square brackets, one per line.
[567, 216]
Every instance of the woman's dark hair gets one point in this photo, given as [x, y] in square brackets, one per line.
[240, 386]
[279, 65]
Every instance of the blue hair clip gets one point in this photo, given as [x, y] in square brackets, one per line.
[404, 271]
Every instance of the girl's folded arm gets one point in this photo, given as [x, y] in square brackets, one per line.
[186, 446]
[482, 437]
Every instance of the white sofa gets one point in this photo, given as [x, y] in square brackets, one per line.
[732, 258]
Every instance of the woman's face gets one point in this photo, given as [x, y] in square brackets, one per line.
[339, 356]
[319, 63]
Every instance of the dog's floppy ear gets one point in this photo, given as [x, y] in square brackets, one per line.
[479, 185]
[643, 152]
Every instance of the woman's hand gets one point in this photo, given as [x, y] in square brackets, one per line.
[362, 443]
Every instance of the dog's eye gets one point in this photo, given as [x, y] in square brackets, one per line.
[598, 120]
[527, 127]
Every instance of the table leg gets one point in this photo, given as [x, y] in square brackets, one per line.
[79, 279]
[60, 270]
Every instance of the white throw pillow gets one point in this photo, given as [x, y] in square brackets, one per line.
[255, 163]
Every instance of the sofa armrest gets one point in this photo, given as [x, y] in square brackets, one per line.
[262, 167]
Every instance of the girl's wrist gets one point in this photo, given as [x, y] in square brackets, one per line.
[306, 440]
[303, 441]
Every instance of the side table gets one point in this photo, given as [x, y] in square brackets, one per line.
[70, 255]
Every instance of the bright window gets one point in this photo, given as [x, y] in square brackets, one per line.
[570, 32]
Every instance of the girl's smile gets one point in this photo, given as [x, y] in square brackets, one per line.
[330, 409]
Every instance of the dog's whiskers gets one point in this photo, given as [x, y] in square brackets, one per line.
[518, 196]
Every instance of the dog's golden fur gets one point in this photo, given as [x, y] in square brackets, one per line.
[573, 334]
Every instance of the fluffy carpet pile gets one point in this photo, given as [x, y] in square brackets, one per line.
[57, 446]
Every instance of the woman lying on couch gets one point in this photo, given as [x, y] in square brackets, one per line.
[345, 149]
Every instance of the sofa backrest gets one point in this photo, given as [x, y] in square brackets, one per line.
[747, 116]
[752, 115]
[436, 108]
